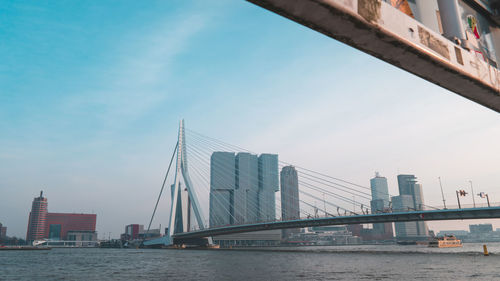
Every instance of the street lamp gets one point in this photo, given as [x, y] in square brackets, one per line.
[485, 195]
[472, 194]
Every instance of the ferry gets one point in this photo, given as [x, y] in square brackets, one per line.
[448, 241]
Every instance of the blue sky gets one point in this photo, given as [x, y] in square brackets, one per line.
[91, 94]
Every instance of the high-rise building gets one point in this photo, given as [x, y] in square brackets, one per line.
[246, 195]
[222, 186]
[410, 199]
[380, 191]
[242, 187]
[380, 204]
[290, 209]
[268, 186]
[3, 231]
[37, 219]
[404, 230]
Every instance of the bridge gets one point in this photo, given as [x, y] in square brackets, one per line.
[221, 176]
[447, 54]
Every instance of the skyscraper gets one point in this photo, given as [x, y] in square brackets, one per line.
[268, 186]
[290, 208]
[380, 204]
[37, 219]
[411, 199]
[380, 191]
[246, 199]
[242, 187]
[222, 186]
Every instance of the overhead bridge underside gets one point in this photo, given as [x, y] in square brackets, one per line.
[431, 215]
[378, 29]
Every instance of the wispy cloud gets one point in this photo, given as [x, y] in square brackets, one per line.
[140, 80]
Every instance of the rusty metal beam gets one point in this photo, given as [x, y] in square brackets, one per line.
[382, 31]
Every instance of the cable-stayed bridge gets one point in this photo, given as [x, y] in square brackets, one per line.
[239, 191]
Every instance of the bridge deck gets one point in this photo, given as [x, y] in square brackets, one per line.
[380, 30]
[426, 215]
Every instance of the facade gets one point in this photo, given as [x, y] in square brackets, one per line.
[380, 191]
[411, 198]
[268, 186]
[480, 228]
[290, 209]
[242, 189]
[56, 226]
[380, 204]
[404, 230]
[246, 207]
[3, 231]
[222, 186]
[37, 219]
[60, 224]
[81, 238]
[257, 238]
[132, 231]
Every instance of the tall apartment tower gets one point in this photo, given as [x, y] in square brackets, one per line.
[410, 198]
[246, 198]
[290, 209]
[37, 219]
[222, 186]
[242, 188]
[380, 204]
[268, 186]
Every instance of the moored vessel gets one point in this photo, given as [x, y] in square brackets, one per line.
[448, 241]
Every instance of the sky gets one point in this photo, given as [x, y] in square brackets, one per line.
[91, 94]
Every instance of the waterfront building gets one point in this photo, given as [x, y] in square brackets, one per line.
[410, 199]
[257, 238]
[480, 228]
[403, 203]
[290, 209]
[56, 226]
[268, 186]
[380, 204]
[242, 188]
[246, 194]
[37, 219]
[132, 231]
[3, 231]
[222, 186]
[60, 224]
[380, 191]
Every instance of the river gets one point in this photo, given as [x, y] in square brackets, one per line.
[391, 262]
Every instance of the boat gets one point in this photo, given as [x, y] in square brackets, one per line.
[22, 248]
[448, 241]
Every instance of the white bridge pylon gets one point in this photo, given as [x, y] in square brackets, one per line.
[184, 200]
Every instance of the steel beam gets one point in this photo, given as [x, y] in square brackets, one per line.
[380, 30]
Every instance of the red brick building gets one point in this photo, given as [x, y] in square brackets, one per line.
[37, 219]
[58, 224]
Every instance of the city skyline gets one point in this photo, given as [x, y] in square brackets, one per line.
[235, 72]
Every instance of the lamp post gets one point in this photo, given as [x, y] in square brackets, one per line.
[485, 195]
[473, 200]
[442, 194]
